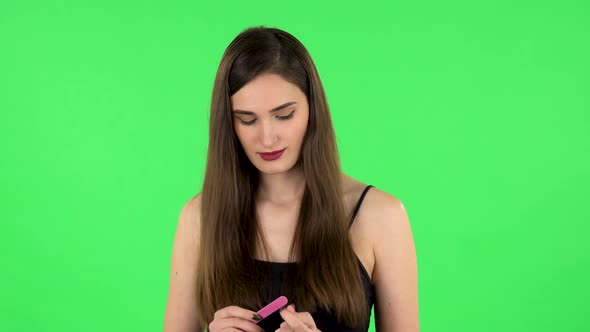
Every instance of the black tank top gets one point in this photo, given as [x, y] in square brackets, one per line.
[325, 321]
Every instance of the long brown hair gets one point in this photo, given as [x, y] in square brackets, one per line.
[327, 273]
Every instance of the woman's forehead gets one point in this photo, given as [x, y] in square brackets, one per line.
[265, 93]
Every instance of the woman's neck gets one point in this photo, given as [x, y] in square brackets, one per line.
[282, 188]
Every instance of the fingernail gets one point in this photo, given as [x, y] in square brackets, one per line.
[256, 316]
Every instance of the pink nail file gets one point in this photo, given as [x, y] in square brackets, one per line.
[270, 308]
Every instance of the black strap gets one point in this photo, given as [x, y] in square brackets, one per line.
[358, 204]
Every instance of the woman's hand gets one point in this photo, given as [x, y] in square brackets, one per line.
[296, 321]
[234, 318]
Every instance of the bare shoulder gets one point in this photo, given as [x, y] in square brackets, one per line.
[179, 315]
[383, 208]
[381, 217]
[186, 239]
[192, 208]
[384, 220]
[384, 239]
[190, 215]
[378, 206]
[189, 223]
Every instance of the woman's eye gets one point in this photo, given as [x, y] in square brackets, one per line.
[247, 123]
[286, 117]
[283, 118]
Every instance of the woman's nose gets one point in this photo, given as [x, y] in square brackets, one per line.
[268, 135]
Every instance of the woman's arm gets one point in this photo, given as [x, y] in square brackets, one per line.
[180, 313]
[395, 273]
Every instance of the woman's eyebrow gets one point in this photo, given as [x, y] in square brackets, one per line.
[276, 109]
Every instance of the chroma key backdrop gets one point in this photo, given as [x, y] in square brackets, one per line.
[475, 114]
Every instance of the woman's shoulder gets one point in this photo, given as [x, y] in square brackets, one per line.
[190, 215]
[375, 196]
[376, 223]
[377, 207]
[193, 206]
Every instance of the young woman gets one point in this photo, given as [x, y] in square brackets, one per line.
[277, 217]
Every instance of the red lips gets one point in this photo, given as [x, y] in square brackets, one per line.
[272, 155]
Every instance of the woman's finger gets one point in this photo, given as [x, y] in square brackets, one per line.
[294, 322]
[241, 324]
[284, 328]
[234, 324]
[235, 311]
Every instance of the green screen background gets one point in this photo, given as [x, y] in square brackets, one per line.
[474, 114]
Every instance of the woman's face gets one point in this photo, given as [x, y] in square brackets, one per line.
[270, 114]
